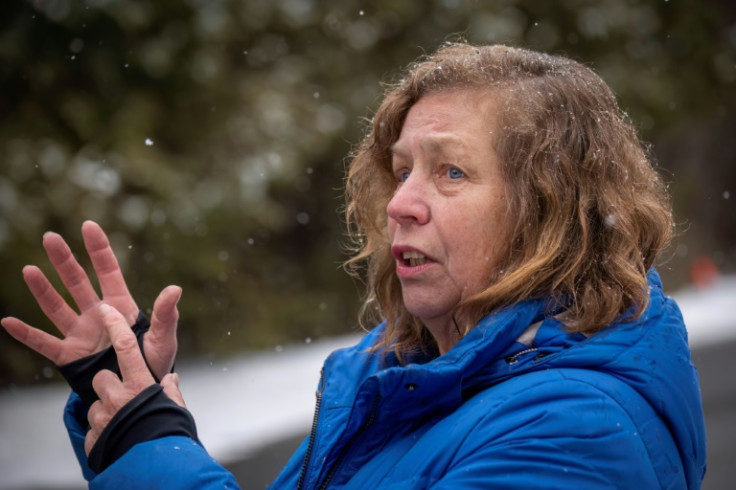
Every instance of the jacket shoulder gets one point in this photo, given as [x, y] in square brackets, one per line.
[573, 421]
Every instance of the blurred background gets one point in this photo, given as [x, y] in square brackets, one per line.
[210, 138]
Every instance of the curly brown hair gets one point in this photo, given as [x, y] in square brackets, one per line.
[588, 212]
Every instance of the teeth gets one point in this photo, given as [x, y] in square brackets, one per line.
[414, 258]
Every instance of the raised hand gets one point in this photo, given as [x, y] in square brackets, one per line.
[115, 393]
[83, 333]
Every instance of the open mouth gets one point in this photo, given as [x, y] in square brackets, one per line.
[414, 259]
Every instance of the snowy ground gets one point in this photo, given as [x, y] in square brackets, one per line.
[249, 402]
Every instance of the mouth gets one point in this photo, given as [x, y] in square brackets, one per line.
[409, 258]
[413, 259]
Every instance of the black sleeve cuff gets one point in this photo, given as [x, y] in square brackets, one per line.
[150, 415]
[79, 373]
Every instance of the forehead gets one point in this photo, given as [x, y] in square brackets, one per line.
[448, 121]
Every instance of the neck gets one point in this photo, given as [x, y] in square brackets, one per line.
[446, 333]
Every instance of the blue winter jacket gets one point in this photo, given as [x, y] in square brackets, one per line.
[517, 403]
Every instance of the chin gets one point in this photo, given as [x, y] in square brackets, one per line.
[429, 314]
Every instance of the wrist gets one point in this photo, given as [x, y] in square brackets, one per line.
[150, 415]
[79, 373]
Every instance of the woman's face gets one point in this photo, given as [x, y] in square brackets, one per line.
[447, 218]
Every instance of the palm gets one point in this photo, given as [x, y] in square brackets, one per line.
[83, 333]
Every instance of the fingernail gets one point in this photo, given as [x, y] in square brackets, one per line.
[105, 309]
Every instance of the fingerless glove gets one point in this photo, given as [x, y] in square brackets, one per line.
[150, 415]
[79, 373]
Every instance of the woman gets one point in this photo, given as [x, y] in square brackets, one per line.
[506, 218]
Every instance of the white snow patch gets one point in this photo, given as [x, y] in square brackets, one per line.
[708, 311]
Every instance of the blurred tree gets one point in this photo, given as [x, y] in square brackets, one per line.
[209, 137]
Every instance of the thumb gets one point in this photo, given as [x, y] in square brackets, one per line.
[159, 343]
[165, 314]
[170, 384]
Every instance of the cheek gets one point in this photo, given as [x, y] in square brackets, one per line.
[491, 236]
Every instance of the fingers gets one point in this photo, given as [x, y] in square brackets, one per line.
[71, 273]
[159, 343]
[90, 439]
[112, 396]
[165, 316]
[98, 419]
[130, 360]
[50, 301]
[45, 344]
[170, 384]
[107, 269]
[106, 384]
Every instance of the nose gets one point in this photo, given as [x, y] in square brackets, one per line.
[410, 204]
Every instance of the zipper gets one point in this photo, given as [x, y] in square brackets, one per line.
[313, 432]
[513, 359]
[341, 458]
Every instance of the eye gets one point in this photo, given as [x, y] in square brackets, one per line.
[402, 175]
[455, 173]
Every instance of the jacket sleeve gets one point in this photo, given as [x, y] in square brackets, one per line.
[172, 462]
[589, 435]
[75, 420]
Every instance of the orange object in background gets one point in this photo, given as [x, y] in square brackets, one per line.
[703, 271]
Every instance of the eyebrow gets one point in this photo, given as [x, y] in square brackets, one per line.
[433, 145]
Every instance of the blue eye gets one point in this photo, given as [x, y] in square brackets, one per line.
[455, 173]
[403, 176]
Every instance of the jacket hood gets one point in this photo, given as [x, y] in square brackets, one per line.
[650, 354]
